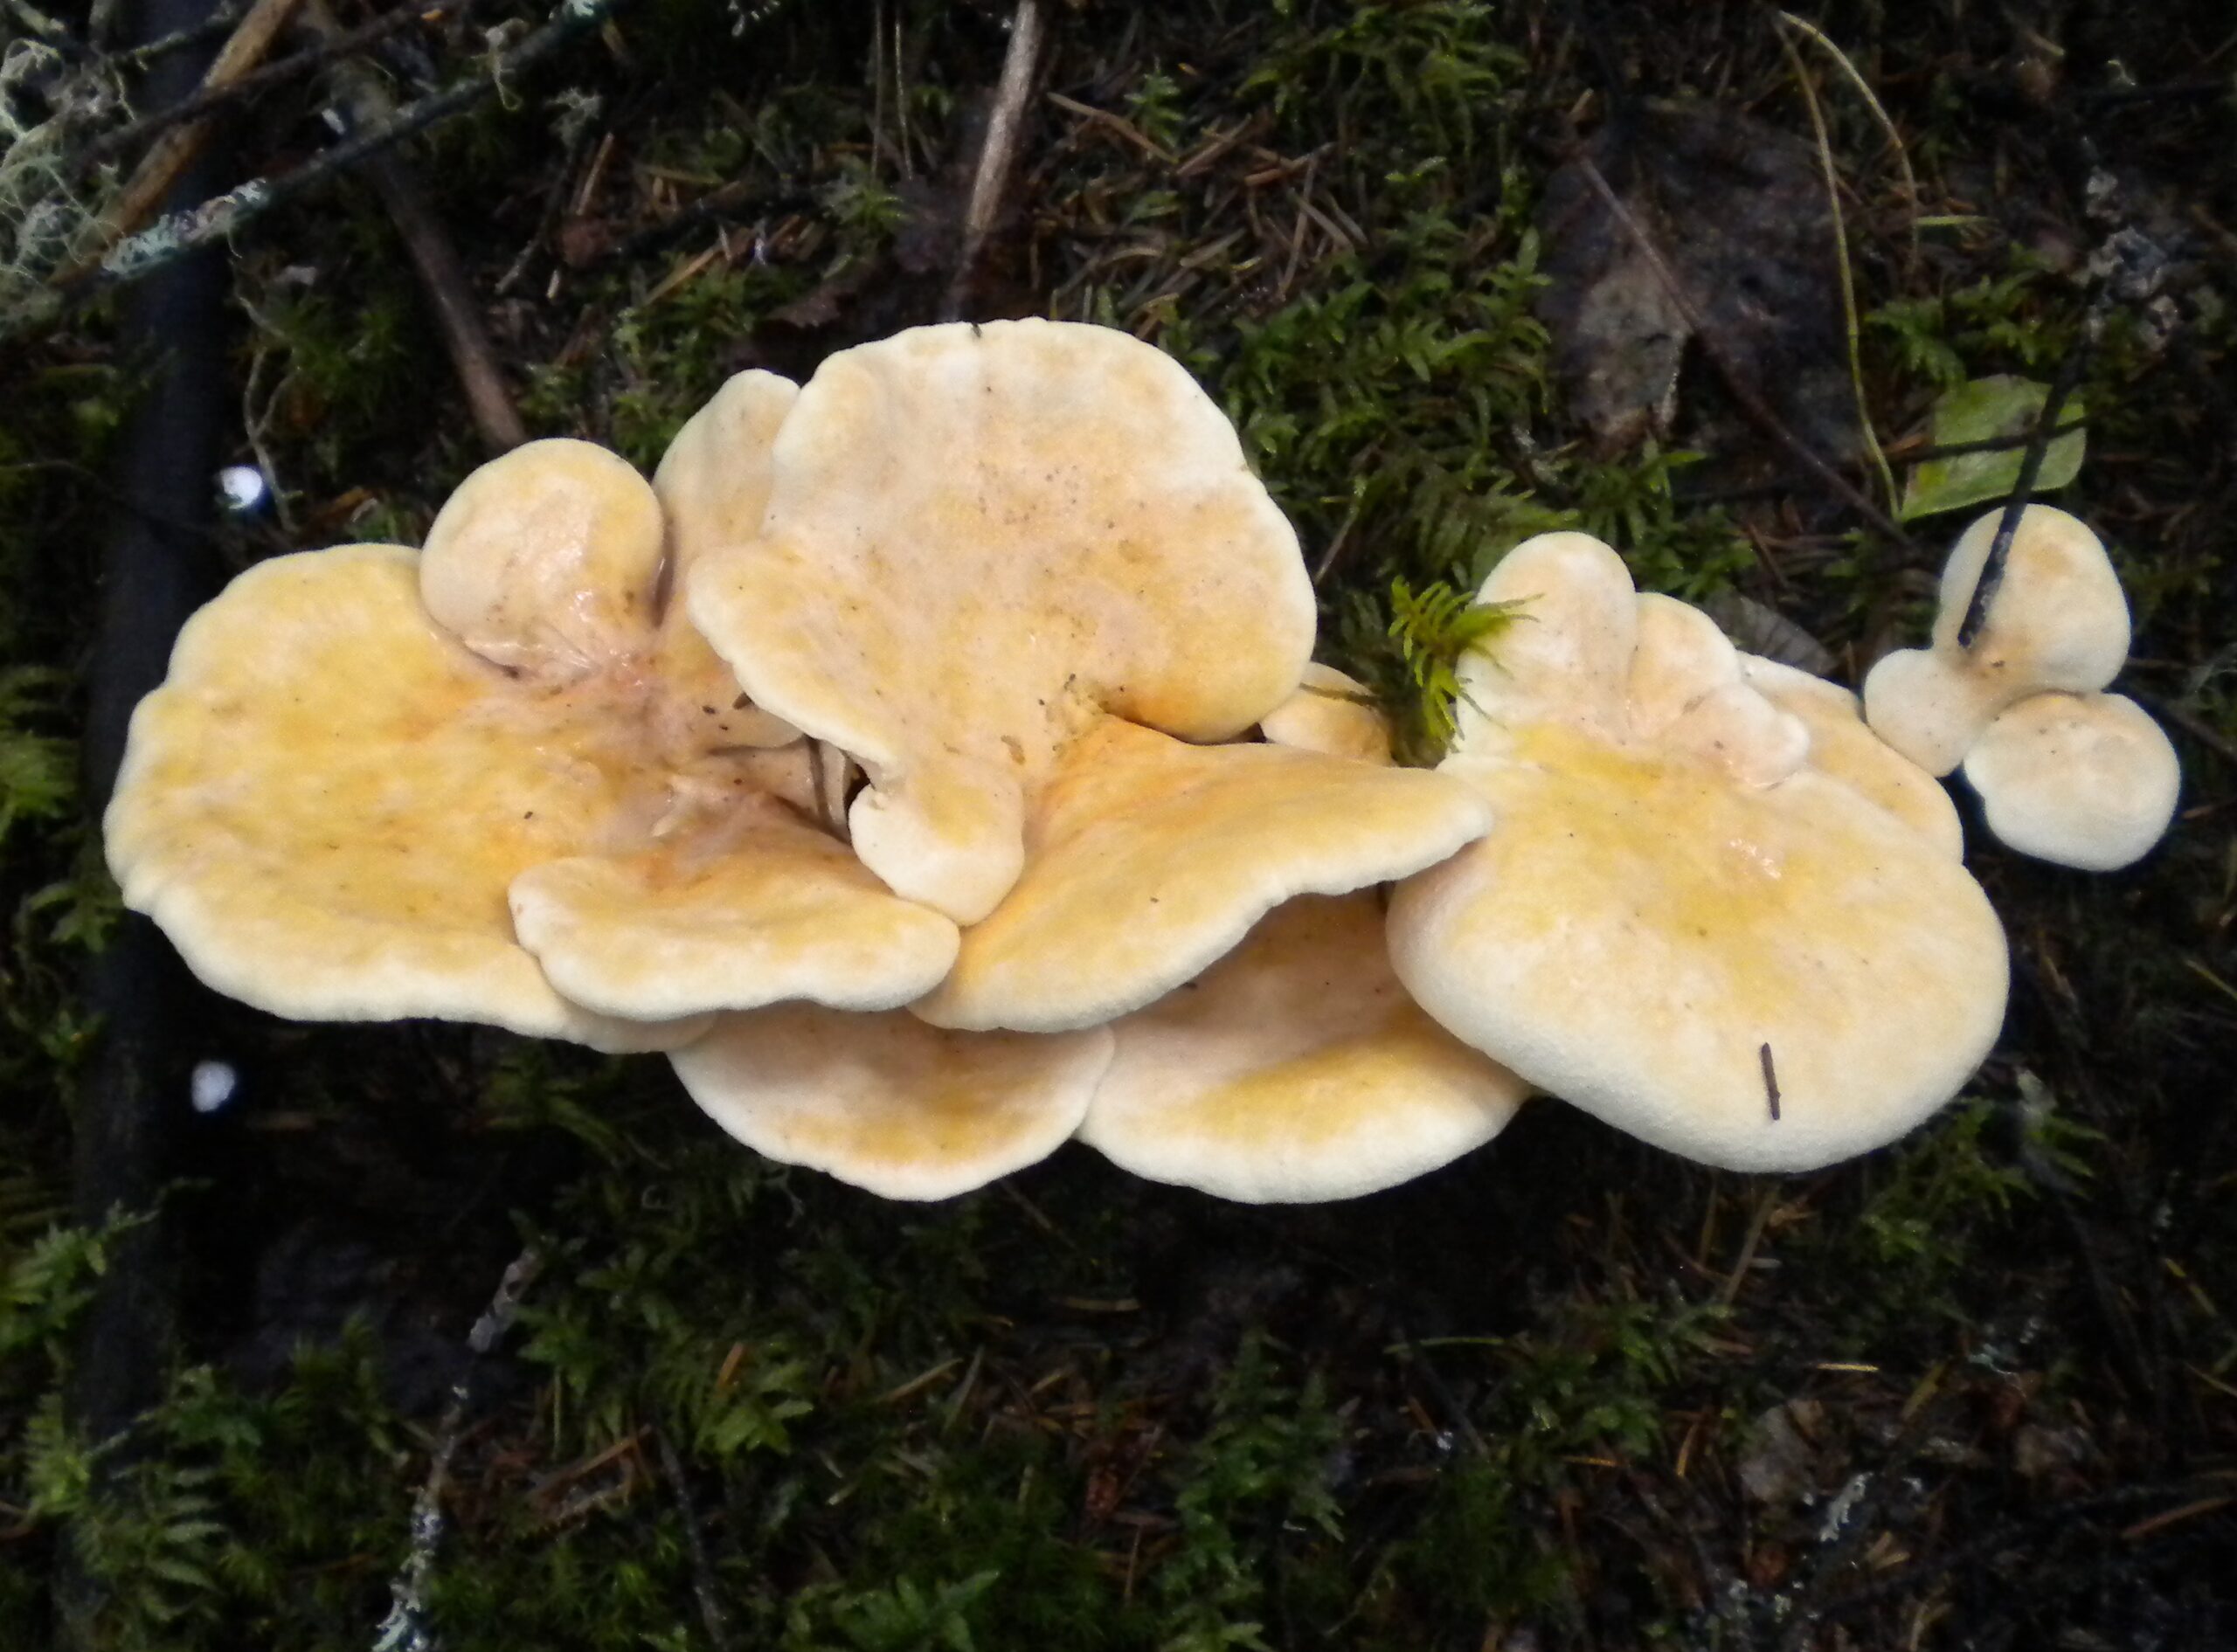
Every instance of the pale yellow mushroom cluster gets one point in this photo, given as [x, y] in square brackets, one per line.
[2067, 772]
[929, 759]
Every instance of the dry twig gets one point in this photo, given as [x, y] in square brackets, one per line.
[165, 163]
[457, 314]
[405, 1628]
[702, 1569]
[997, 155]
[213, 98]
[181, 233]
[2125, 265]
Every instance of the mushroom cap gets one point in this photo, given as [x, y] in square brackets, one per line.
[1148, 858]
[546, 560]
[2058, 620]
[1331, 713]
[761, 909]
[1660, 903]
[2087, 781]
[977, 535]
[713, 488]
[891, 1104]
[339, 810]
[713, 479]
[323, 805]
[1843, 749]
[1296, 1069]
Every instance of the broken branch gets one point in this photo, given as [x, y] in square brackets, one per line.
[997, 155]
[213, 98]
[165, 163]
[457, 314]
[180, 233]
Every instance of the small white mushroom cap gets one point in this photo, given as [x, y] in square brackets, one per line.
[2058, 620]
[888, 1103]
[1330, 712]
[545, 560]
[1680, 923]
[976, 538]
[1148, 858]
[2087, 781]
[1296, 1069]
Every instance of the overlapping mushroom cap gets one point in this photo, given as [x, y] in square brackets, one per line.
[1331, 712]
[1148, 858]
[1296, 1069]
[1680, 924]
[1012, 570]
[887, 1102]
[977, 537]
[378, 783]
[2059, 620]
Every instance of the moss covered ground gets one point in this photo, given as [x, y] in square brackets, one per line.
[1979, 1390]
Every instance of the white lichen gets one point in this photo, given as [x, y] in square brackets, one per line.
[51, 205]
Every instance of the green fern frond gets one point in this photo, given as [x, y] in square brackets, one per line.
[38, 771]
[1432, 628]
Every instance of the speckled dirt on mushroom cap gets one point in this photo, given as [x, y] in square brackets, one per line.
[2087, 781]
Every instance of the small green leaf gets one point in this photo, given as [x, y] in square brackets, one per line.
[2002, 408]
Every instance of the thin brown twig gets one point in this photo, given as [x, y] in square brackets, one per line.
[180, 234]
[997, 155]
[211, 99]
[695, 1540]
[1850, 329]
[1907, 455]
[457, 314]
[165, 163]
[1729, 1291]
[1750, 401]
